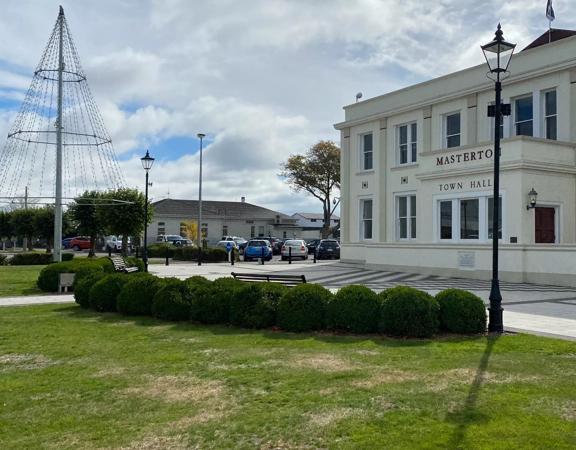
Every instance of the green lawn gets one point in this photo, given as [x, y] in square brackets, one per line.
[70, 378]
[19, 280]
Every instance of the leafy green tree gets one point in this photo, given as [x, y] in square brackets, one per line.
[23, 224]
[84, 212]
[318, 173]
[44, 225]
[126, 218]
[5, 227]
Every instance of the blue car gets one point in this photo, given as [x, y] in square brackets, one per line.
[256, 248]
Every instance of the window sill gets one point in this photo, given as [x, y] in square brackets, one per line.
[366, 172]
[405, 166]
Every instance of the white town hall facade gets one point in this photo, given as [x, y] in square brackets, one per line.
[417, 172]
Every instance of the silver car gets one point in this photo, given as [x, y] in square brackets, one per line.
[296, 247]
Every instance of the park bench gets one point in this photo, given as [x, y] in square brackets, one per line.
[286, 280]
[120, 265]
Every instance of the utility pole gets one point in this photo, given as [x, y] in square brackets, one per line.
[58, 191]
[25, 243]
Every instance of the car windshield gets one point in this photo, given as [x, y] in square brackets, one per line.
[257, 244]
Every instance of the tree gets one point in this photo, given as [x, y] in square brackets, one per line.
[191, 230]
[5, 227]
[127, 218]
[318, 173]
[23, 226]
[84, 212]
[44, 225]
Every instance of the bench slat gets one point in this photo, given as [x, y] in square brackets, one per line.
[286, 280]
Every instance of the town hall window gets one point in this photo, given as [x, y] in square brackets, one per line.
[452, 130]
[550, 115]
[365, 219]
[406, 217]
[524, 116]
[367, 152]
[407, 143]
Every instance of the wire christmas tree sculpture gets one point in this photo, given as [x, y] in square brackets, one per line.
[58, 146]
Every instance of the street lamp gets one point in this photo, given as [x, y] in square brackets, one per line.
[147, 162]
[532, 197]
[498, 54]
[200, 136]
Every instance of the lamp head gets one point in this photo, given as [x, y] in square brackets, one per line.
[201, 135]
[498, 52]
[147, 161]
[532, 197]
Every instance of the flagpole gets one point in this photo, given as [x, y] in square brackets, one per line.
[549, 31]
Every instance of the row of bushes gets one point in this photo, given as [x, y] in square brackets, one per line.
[48, 278]
[186, 253]
[31, 259]
[400, 311]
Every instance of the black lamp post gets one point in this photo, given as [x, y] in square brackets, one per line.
[147, 162]
[498, 54]
[201, 137]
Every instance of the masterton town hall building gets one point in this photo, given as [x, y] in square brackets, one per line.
[417, 172]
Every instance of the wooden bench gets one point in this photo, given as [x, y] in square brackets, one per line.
[286, 280]
[121, 266]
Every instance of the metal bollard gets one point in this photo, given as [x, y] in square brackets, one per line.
[137, 248]
[314, 256]
[262, 258]
[109, 252]
[232, 257]
[289, 255]
[167, 259]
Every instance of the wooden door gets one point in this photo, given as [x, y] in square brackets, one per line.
[545, 225]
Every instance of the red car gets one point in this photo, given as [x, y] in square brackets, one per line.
[80, 243]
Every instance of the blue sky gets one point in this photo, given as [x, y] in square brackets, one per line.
[263, 79]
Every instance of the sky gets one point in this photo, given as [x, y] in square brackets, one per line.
[263, 79]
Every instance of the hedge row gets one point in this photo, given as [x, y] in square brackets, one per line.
[48, 278]
[186, 253]
[399, 311]
[32, 259]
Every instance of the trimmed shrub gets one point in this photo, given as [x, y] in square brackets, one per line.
[82, 286]
[67, 256]
[254, 305]
[208, 254]
[211, 303]
[104, 292]
[170, 301]
[354, 308]
[160, 250]
[461, 311]
[48, 278]
[408, 312]
[137, 295]
[3, 259]
[31, 259]
[303, 308]
[132, 261]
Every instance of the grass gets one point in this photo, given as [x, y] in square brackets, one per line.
[77, 379]
[19, 280]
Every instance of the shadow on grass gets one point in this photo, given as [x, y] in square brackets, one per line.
[223, 330]
[468, 413]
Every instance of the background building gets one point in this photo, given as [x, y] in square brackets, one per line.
[312, 223]
[417, 172]
[220, 219]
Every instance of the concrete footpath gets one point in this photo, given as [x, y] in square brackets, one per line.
[535, 309]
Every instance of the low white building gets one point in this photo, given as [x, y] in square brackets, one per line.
[312, 224]
[220, 219]
[417, 172]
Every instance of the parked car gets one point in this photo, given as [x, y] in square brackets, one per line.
[114, 243]
[294, 247]
[225, 244]
[328, 249]
[175, 239]
[312, 244]
[276, 244]
[254, 250]
[66, 243]
[80, 243]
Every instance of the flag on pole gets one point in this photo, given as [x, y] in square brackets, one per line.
[550, 11]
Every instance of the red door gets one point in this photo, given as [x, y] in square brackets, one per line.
[545, 225]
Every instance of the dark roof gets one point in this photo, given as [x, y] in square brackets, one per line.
[317, 216]
[239, 210]
[554, 35]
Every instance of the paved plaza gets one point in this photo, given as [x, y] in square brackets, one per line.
[540, 309]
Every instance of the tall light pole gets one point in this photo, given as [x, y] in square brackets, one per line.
[498, 54]
[147, 162]
[200, 136]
